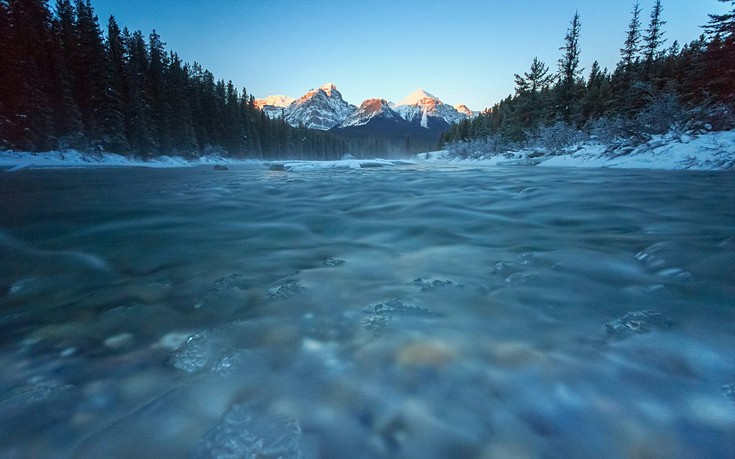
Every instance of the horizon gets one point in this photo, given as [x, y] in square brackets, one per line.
[476, 47]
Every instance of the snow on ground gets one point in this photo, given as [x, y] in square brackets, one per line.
[15, 160]
[710, 151]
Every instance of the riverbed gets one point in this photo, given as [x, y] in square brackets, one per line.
[416, 310]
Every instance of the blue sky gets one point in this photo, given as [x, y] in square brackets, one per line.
[462, 51]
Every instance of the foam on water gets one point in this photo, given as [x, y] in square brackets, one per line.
[406, 311]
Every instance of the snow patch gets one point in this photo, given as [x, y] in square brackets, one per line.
[19, 160]
[709, 151]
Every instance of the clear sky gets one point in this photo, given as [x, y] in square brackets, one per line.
[462, 51]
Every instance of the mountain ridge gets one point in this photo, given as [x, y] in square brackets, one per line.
[324, 108]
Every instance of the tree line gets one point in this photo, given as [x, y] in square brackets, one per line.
[65, 84]
[651, 88]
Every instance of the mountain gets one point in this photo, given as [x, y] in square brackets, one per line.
[463, 109]
[415, 123]
[376, 120]
[274, 101]
[322, 108]
[372, 110]
[274, 106]
[428, 111]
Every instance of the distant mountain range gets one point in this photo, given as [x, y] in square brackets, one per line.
[419, 117]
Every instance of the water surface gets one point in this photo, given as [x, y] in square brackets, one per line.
[415, 311]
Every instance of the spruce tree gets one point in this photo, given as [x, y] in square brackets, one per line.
[118, 91]
[90, 71]
[69, 124]
[535, 80]
[139, 121]
[29, 75]
[632, 41]
[569, 71]
[157, 91]
[4, 77]
[720, 54]
[654, 34]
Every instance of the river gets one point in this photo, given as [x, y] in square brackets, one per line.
[402, 312]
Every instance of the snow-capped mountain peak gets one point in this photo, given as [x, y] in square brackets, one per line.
[328, 88]
[416, 97]
[369, 109]
[321, 108]
[274, 101]
[463, 109]
[425, 108]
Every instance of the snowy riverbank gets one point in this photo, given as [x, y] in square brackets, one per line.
[16, 160]
[710, 151]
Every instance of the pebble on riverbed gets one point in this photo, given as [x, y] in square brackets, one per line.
[426, 353]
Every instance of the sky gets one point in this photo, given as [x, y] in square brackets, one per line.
[462, 51]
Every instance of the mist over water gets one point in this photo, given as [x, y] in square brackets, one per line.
[413, 311]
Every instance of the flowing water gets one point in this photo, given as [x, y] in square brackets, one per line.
[405, 312]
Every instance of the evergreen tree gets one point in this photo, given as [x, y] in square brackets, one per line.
[68, 118]
[90, 71]
[720, 56]
[632, 41]
[4, 80]
[138, 118]
[569, 71]
[654, 34]
[537, 79]
[157, 91]
[115, 138]
[28, 76]
[183, 141]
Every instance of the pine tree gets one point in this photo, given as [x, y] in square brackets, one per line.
[654, 34]
[69, 124]
[537, 79]
[720, 54]
[90, 71]
[29, 75]
[157, 91]
[183, 141]
[569, 71]
[117, 93]
[138, 119]
[632, 41]
[5, 31]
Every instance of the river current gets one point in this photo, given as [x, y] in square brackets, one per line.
[401, 312]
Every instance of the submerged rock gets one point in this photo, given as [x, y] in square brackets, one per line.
[380, 315]
[284, 291]
[119, 341]
[194, 354]
[250, 433]
[332, 262]
[426, 284]
[637, 322]
[37, 390]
